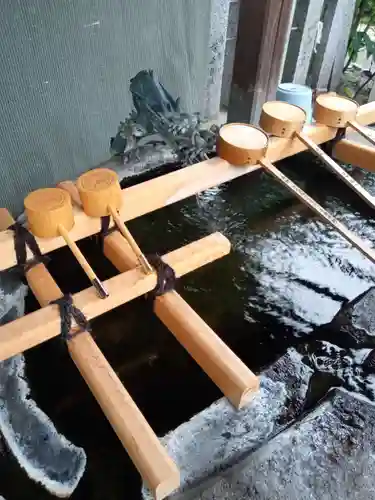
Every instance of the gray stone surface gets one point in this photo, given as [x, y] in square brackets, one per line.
[328, 454]
[302, 40]
[328, 63]
[65, 73]
[221, 436]
[46, 456]
[354, 324]
[218, 35]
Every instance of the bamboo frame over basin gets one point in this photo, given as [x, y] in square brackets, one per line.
[163, 191]
[359, 155]
[44, 324]
[147, 453]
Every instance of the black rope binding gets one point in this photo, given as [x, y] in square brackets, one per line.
[105, 230]
[329, 146]
[68, 312]
[166, 277]
[23, 237]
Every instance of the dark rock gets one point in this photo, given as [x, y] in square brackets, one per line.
[330, 453]
[354, 325]
[221, 436]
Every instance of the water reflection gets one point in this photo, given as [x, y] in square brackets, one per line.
[287, 273]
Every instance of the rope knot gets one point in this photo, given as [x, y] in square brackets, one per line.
[23, 238]
[166, 276]
[68, 312]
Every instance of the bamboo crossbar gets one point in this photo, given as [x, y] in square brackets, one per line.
[176, 186]
[157, 469]
[237, 382]
[359, 155]
[44, 324]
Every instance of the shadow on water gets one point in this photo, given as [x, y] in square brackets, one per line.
[286, 274]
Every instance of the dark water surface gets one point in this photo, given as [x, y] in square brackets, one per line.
[287, 273]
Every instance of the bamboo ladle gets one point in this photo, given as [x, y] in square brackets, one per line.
[49, 213]
[243, 144]
[339, 112]
[215, 358]
[100, 194]
[144, 448]
[287, 120]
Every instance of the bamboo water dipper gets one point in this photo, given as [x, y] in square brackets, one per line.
[338, 111]
[221, 364]
[286, 120]
[246, 144]
[144, 448]
[100, 194]
[49, 213]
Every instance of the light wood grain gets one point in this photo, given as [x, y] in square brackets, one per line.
[39, 326]
[47, 210]
[77, 253]
[334, 110]
[356, 154]
[144, 448]
[365, 132]
[282, 119]
[163, 191]
[241, 144]
[320, 211]
[49, 213]
[225, 369]
[99, 189]
[339, 171]
[147, 268]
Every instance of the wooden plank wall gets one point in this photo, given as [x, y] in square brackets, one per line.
[263, 31]
[318, 42]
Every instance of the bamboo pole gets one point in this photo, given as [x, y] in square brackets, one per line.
[144, 448]
[49, 213]
[338, 171]
[252, 145]
[97, 194]
[177, 186]
[319, 210]
[287, 120]
[220, 363]
[39, 326]
[356, 154]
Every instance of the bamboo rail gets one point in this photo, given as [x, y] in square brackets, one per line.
[44, 324]
[218, 361]
[237, 382]
[356, 154]
[179, 185]
[143, 446]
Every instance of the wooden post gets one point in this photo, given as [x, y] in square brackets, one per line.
[144, 448]
[263, 31]
[328, 62]
[302, 40]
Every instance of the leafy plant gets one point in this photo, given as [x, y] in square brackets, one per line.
[359, 39]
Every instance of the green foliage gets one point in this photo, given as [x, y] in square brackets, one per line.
[364, 17]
